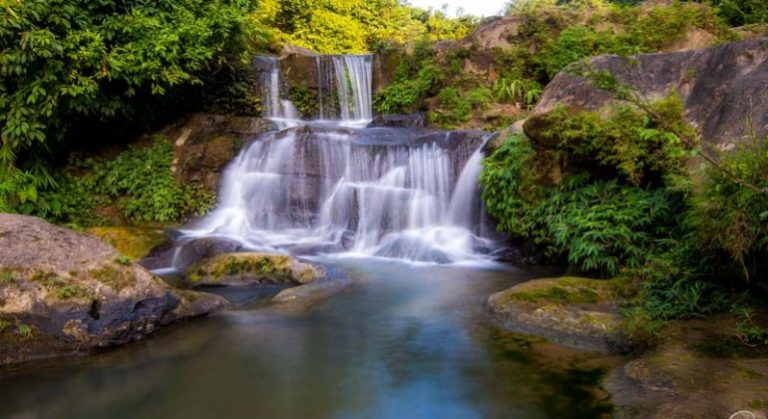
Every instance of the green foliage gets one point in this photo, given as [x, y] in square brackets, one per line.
[509, 190]
[305, 101]
[601, 227]
[139, 180]
[25, 331]
[743, 12]
[454, 106]
[142, 180]
[64, 61]
[123, 260]
[6, 276]
[732, 220]
[748, 330]
[520, 91]
[5, 324]
[629, 141]
[355, 26]
[415, 79]
[566, 33]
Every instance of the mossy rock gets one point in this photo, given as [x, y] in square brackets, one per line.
[577, 312]
[246, 269]
[64, 292]
[134, 242]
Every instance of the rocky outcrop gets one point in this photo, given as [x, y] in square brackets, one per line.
[63, 292]
[722, 88]
[577, 312]
[697, 371]
[205, 143]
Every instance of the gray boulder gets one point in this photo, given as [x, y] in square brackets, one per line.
[62, 292]
[721, 87]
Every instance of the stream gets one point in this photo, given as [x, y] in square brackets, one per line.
[404, 341]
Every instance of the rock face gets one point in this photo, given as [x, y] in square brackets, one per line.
[245, 269]
[205, 143]
[721, 87]
[694, 372]
[63, 292]
[577, 312]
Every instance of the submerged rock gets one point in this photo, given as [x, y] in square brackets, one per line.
[576, 312]
[246, 269]
[62, 292]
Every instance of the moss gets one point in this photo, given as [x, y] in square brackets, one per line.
[5, 324]
[115, 277]
[274, 266]
[6, 275]
[134, 242]
[61, 287]
[572, 290]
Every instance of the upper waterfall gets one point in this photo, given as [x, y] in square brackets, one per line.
[343, 89]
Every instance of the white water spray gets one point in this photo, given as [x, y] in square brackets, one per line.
[326, 188]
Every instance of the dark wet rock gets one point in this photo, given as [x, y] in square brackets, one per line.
[248, 269]
[62, 292]
[205, 143]
[577, 312]
[721, 88]
[414, 120]
[186, 253]
[679, 379]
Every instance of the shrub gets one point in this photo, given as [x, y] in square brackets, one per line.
[142, 181]
[509, 190]
[601, 227]
[628, 142]
[730, 219]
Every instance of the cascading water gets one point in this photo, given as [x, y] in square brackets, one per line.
[322, 187]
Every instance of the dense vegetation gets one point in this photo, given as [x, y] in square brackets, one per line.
[72, 68]
[355, 26]
[548, 38]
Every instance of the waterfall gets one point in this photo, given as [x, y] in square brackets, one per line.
[269, 81]
[321, 187]
[353, 76]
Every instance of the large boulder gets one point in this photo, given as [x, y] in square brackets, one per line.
[577, 312]
[62, 292]
[722, 88]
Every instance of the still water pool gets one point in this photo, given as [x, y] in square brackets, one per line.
[404, 342]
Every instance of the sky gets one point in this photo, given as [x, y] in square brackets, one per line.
[473, 7]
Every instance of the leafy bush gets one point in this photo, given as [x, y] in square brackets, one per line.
[743, 12]
[142, 181]
[509, 190]
[356, 26]
[628, 142]
[415, 79]
[731, 219]
[139, 180]
[601, 227]
[64, 61]
[521, 91]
